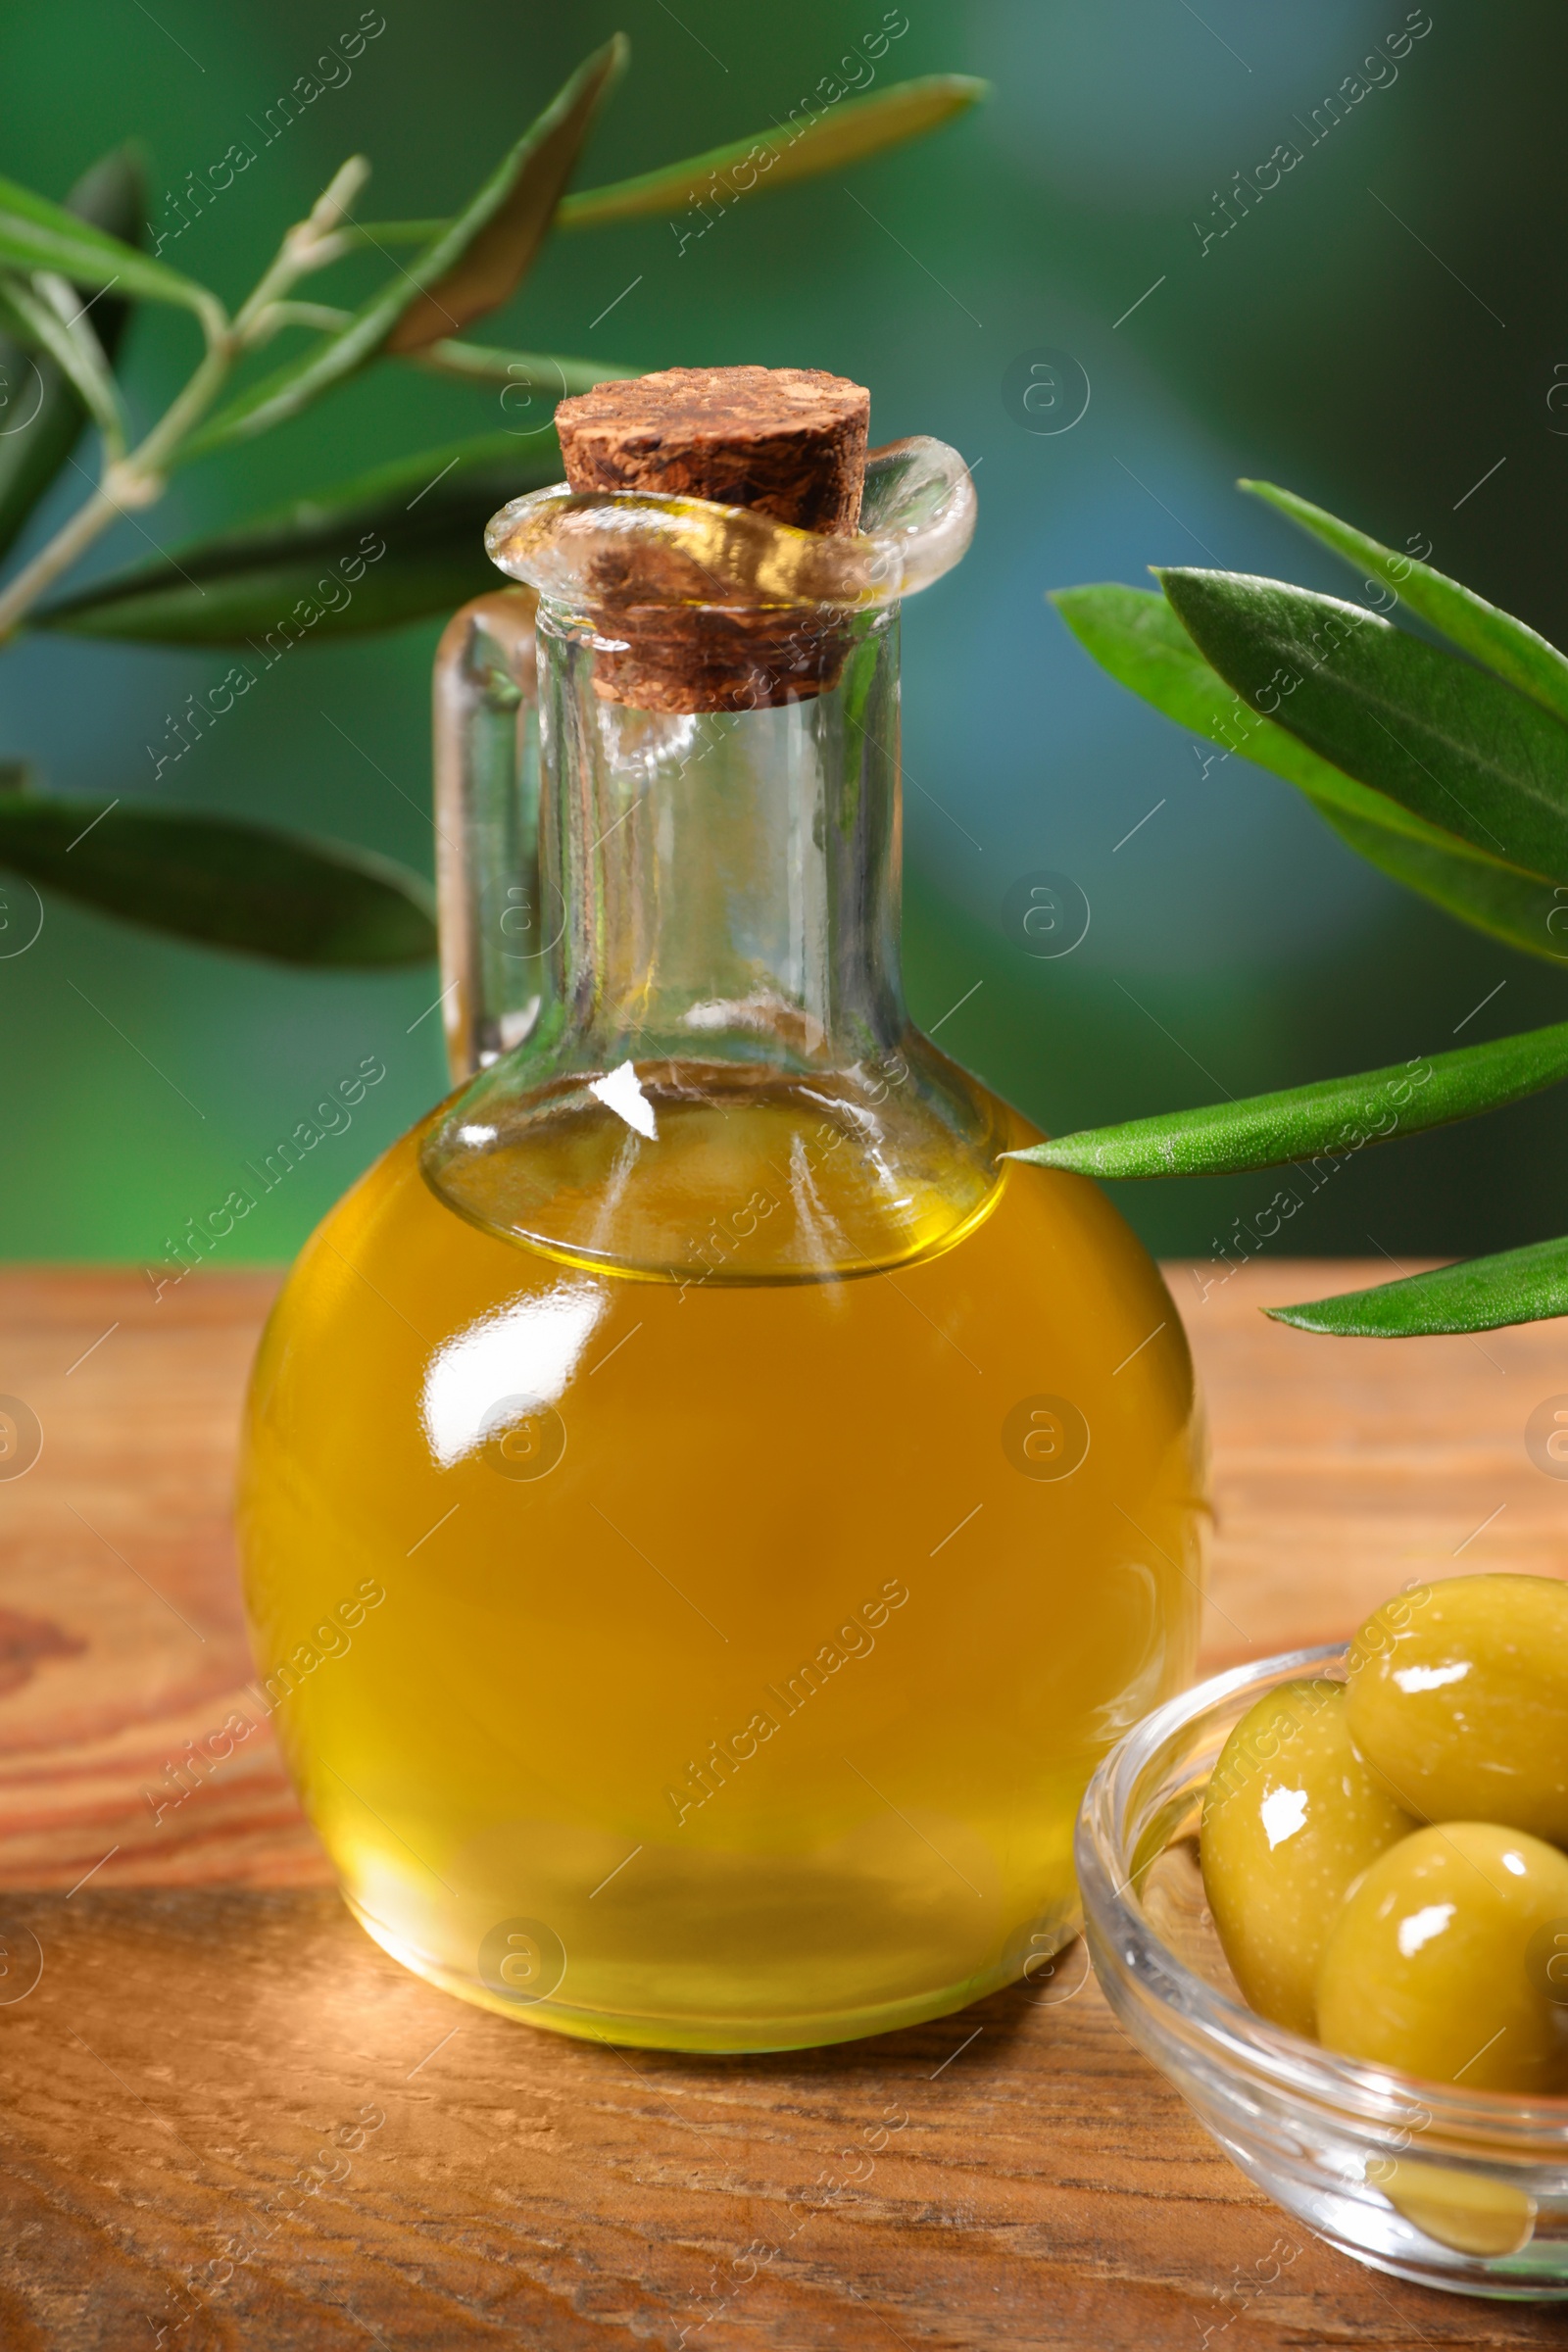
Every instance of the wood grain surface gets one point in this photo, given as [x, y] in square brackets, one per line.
[230, 2120]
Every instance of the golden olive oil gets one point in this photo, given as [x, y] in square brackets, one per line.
[746, 1644]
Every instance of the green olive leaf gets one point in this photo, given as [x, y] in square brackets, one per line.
[387, 547]
[840, 133]
[1134, 634]
[1463, 749]
[41, 416]
[1336, 1115]
[27, 316]
[222, 881]
[1479, 1293]
[473, 261]
[1496, 638]
[548, 373]
[35, 234]
[493, 262]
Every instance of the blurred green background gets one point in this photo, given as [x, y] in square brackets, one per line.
[1380, 335]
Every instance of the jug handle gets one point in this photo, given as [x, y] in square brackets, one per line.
[494, 949]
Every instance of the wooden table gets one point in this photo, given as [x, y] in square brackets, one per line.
[207, 2018]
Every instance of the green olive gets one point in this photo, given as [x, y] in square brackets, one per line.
[1433, 1965]
[1459, 1699]
[1290, 1817]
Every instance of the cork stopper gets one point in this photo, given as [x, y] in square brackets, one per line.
[787, 442]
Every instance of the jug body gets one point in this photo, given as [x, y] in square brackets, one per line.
[705, 1511]
[751, 1679]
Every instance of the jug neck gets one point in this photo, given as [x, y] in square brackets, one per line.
[721, 1039]
[725, 882]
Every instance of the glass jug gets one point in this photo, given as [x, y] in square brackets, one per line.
[705, 1511]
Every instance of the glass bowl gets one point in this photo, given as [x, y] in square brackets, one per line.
[1448, 2187]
